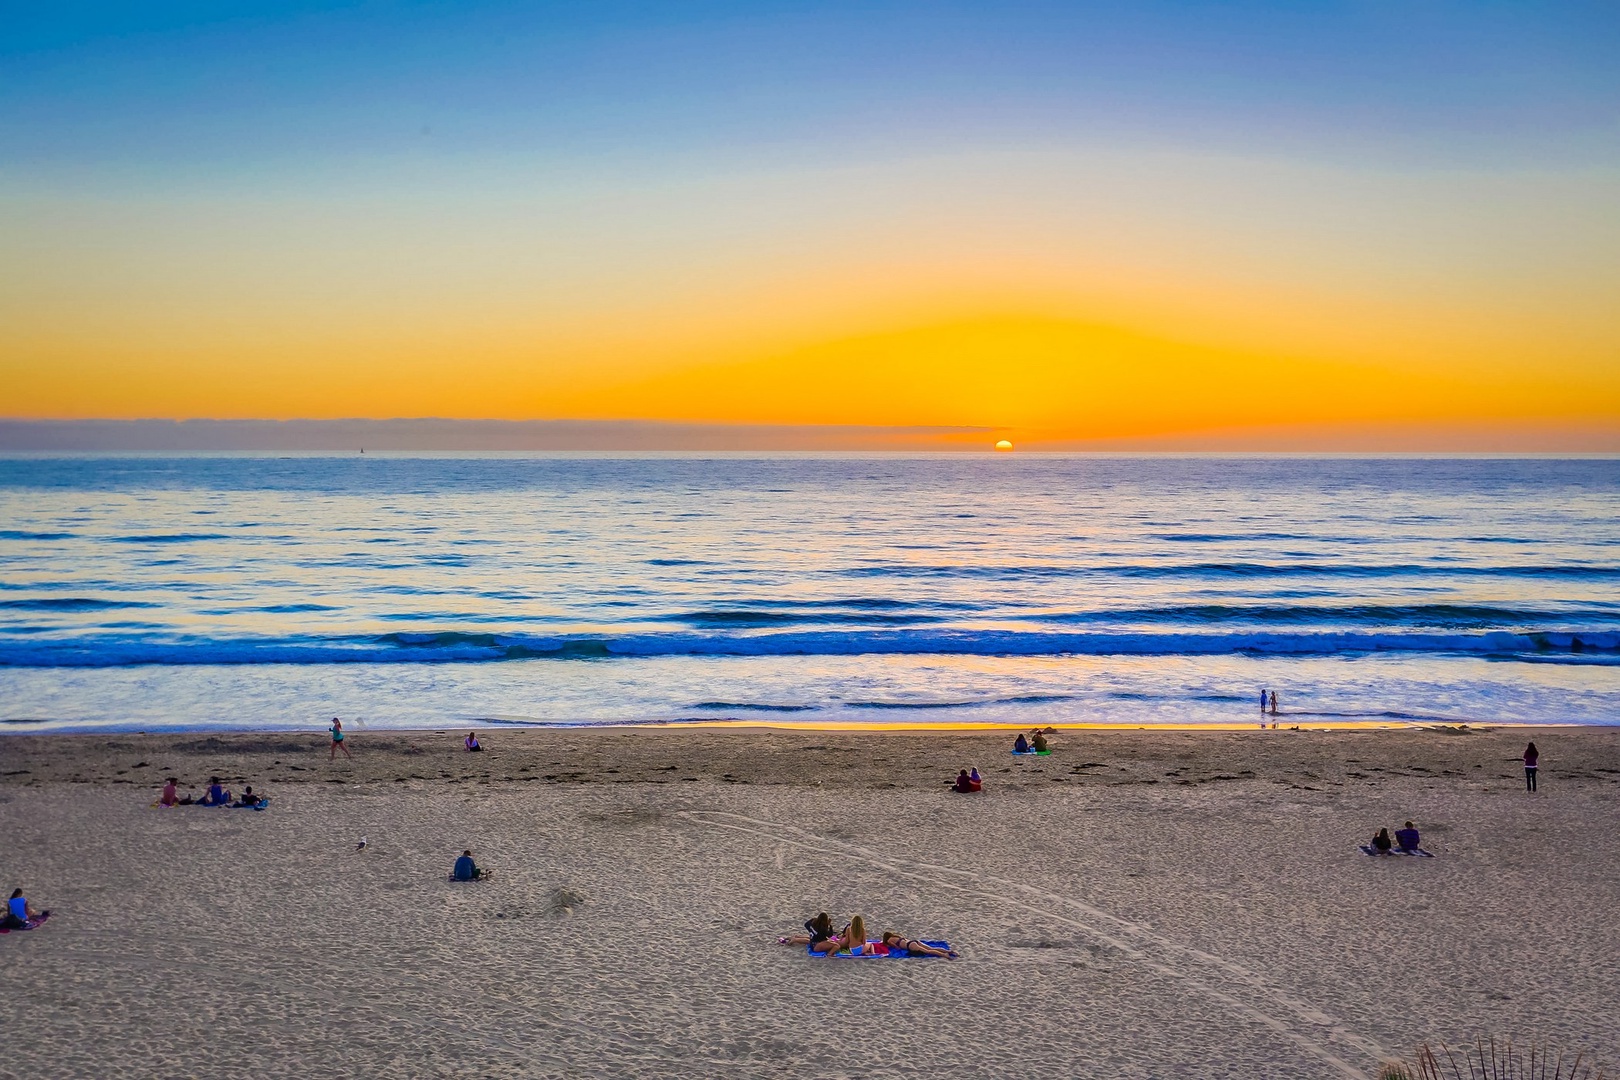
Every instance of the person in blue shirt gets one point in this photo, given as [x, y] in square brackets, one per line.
[18, 912]
[467, 870]
[1407, 839]
[216, 795]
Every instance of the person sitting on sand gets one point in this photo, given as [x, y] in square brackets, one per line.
[973, 780]
[851, 940]
[170, 796]
[467, 870]
[250, 801]
[1381, 842]
[897, 943]
[818, 928]
[472, 742]
[964, 784]
[1020, 744]
[18, 912]
[1407, 838]
[216, 794]
[818, 932]
[1038, 743]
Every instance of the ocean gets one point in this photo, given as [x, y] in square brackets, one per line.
[239, 592]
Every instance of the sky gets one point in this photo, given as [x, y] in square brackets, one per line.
[1072, 224]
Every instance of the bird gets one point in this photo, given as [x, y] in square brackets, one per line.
[361, 846]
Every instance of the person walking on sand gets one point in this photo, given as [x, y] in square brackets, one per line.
[1531, 757]
[337, 741]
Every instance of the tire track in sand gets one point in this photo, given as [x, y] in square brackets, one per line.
[1293, 1018]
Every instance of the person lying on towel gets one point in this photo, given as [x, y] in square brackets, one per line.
[897, 943]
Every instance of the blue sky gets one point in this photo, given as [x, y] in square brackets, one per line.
[89, 86]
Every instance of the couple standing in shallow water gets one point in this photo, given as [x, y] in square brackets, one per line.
[851, 941]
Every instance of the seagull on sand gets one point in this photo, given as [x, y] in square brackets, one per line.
[361, 846]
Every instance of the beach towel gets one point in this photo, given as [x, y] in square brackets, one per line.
[890, 954]
[1031, 753]
[262, 804]
[33, 924]
[1368, 849]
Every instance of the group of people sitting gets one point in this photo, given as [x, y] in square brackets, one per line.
[823, 940]
[1406, 841]
[18, 912]
[216, 795]
[967, 782]
[1035, 744]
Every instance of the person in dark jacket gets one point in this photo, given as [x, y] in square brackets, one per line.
[467, 870]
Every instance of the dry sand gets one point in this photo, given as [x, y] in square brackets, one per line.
[1140, 904]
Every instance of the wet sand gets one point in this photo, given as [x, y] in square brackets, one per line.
[1139, 904]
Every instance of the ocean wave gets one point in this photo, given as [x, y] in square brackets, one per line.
[24, 534]
[1581, 646]
[745, 618]
[1229, 570]
[71, 603]
[164, 538]
[1446, 616]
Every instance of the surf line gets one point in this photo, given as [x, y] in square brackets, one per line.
[1133, 940]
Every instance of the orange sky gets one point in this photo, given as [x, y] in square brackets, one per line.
[1173, 295]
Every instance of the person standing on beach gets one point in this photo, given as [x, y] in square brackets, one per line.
[337, 740]
[1274, 703]
[1262, 701]
[1531, 758]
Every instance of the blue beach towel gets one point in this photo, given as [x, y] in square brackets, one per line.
[1368, 849]
[1031, 753]
[893, 954]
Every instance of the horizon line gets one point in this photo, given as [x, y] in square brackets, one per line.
[456, 434]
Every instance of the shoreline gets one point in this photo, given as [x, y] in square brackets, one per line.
[912, 756]
[1285, 722]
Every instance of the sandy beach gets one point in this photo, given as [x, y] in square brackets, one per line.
[1139, 904]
